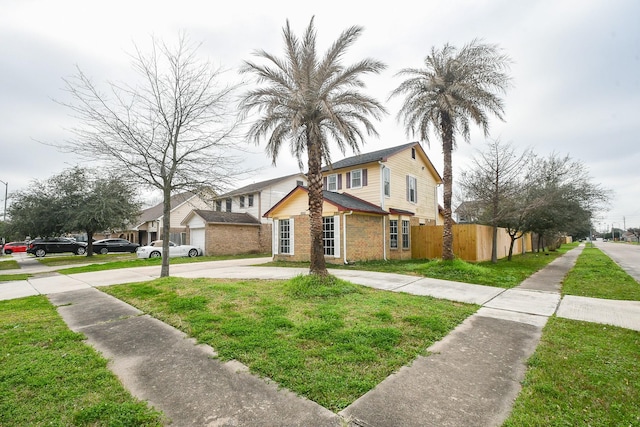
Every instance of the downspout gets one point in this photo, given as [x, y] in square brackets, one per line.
[384, 239]
[344, 235]
[384, 231]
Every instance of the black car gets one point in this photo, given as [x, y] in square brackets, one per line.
[105, 246]
[56, 245]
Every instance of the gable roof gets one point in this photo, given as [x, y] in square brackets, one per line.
[155, 212]
[342, 201]
[257, 186]
[218, 217]
[375, 156]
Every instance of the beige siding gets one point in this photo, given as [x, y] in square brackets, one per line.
[402, 165]
[370, 192]
[181, 212]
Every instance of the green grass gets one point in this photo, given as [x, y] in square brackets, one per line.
[582, 374]
[14, 277]
[330, 341]
[49, 377]
[503, 274]
[113, 262]
[11, 264]
[595, 275]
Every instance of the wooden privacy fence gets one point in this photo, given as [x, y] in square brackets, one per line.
[471, 242]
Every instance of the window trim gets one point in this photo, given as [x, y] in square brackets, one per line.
[279, 242]
[406, 234]
[386, 182]
[250, 200]
[351, 179]
[333, 176]
[329, 250]
[410, 179]
[242, 201]
[393, 233]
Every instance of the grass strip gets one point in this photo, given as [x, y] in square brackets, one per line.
[582, 374]
[49, 377]
[10, 264]
[328, 340]
[14, 277]
[596, 275]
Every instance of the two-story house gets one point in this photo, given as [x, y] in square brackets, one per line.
[370, 203]
[236, 224]
[149, 225]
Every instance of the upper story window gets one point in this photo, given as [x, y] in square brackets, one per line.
[386, 181]
[228, 205]
[250, 201]
[356, 178]
[412, 189]
[332, 182]
[242, 201]
[218, 205]
[413, 153]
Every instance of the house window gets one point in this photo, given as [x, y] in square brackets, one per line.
[242, 201]
[250, 201]
[328, 235]
[332, 183]
[412, 189]
[386, 181]
[218, 205]
[393, 233]
[285, 236]
[413, 153]
[228, 205]
[405, 234]
[356, 178]
[300, 183]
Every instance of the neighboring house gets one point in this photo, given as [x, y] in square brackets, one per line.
[371, 202]
[149, 225]
[236, 224]
[468, 212]
[227, 233]
[257, 198]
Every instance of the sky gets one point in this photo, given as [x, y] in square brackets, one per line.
[575, 70]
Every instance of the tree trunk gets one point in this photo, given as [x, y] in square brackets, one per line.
[513, 242]
[89, 243]
[317, 264]
[494, 244]
[166, 228]
[447, 148]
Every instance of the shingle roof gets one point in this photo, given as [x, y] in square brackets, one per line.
[226, 217]
[155, 212]
[255, 187]
[352, 203]
[374, 156]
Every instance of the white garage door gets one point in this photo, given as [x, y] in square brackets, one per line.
[197, 238]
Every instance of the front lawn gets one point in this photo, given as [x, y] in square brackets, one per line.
[330, 342]
[582, 374]
[50, 377]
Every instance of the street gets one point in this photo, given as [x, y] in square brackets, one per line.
[626, 256]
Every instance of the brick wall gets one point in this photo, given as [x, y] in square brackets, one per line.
[364, 238]
[232, 239]
[400, 253]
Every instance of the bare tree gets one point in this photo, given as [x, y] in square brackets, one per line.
[493, 183]
[172, 130]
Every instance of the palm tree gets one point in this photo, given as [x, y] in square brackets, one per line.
[308, 102]
[455, 88]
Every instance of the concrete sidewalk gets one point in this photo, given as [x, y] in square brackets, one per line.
[470, 378]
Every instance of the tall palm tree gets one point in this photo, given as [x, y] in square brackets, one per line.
[309, 102]
[454, 88]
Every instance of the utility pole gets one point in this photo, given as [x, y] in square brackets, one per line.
[6, 192]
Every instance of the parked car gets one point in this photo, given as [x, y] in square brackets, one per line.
[154, 250]
[105, 246]
[56, 245]
[12, 247]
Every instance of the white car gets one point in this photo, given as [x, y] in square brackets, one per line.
[154, 250]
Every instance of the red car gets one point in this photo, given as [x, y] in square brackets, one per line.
[12, 247]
